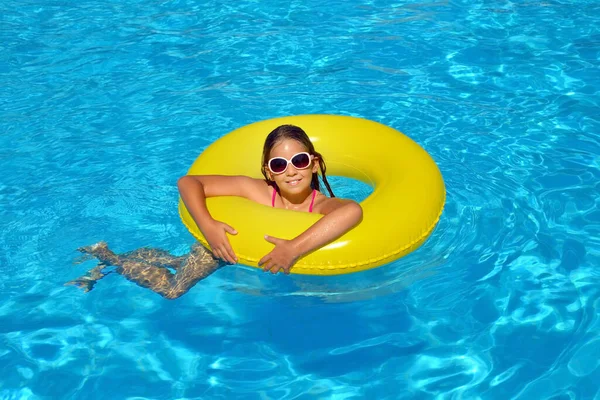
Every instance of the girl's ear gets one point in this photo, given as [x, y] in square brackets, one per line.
[267, 173]
[315, 167]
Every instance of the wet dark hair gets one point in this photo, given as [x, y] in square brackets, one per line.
[295, 133]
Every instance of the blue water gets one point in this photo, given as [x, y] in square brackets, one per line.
[105, 104]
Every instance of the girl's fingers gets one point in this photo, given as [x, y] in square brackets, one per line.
[230, 229]
[264, 260]
[226, 256]
[221, 255]
[275, 269]
[272, 267]
[267, 266]
[225, 253]
[230, 253]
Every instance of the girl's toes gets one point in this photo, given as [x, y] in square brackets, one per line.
[84, 283]
[93, 248]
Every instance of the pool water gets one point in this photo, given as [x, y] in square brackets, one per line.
[105, 104]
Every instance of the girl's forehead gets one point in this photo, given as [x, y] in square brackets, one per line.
[287, 147]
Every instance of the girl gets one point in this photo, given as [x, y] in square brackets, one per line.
[290, 166]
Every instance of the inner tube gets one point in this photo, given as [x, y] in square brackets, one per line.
[407, 200]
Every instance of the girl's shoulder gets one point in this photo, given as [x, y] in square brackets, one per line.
[258, 190]
[324, 205]
[235, 185]
[257, 182]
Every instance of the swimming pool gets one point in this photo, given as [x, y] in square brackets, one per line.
[105, 104]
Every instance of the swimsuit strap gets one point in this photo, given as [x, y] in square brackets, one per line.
[273, 198]
[312, 201]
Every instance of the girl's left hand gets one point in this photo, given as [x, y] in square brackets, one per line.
[283, 256]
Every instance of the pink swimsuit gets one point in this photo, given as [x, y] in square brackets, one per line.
[312, 201]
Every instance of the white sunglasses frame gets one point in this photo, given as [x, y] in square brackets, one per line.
[310, 156]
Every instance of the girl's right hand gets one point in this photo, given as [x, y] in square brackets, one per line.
[215, 233]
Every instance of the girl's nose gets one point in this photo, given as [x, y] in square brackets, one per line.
[291, 170]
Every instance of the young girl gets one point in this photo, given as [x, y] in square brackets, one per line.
[290, 166]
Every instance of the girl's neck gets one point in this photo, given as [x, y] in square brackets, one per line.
[297, 200]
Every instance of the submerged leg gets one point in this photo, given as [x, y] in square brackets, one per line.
[87, 281]
[157, 257]
[145, 267]
[199, 264]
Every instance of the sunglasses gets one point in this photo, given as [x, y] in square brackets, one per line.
[278, 165]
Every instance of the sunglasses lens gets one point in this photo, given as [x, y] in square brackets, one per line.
[301, 161]
[278, 165]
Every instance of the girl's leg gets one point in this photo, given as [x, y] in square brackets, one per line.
[87, 281]
[145, 267]
[157, 257]
[154, 257]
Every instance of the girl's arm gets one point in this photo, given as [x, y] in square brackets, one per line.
[340, 217]
[194, 189]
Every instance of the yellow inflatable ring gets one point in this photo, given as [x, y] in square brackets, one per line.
[399, 215]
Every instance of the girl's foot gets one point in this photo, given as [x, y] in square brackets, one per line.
[90, 252]
[100, 251]
[93, 249]
[84, 283]
[87, 281]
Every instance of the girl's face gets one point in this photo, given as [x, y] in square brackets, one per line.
[292, 180]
